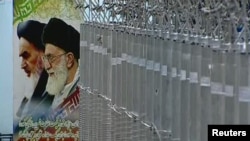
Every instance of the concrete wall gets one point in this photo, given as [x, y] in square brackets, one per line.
[6, 69]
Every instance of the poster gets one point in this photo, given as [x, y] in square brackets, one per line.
[46, 42]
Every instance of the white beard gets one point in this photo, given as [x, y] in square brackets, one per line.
[57, 82]
[31, 82]
[30, 85]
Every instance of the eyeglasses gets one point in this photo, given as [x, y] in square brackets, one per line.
[50, 58]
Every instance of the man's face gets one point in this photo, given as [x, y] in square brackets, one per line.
[55, 65]
[31, 57]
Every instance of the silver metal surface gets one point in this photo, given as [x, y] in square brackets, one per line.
[157, 70]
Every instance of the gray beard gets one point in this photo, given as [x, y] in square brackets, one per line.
[57, 82]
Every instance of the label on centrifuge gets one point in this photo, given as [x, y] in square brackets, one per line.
[129, 59]
[124, 57]
[193, 77]
[183, 75]
[217, 88]
[157, 66]
[138, 61]
[205, 81]
[164, 70]
[134, 60]
[229, 90]
[142, 62]
[118, 60]
[113, 61]
[174, 72]
[150, 65]
[244, 94]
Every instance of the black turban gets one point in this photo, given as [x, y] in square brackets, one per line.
[32, 31]
[62, 35]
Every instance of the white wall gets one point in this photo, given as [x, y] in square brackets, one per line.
[6, 67]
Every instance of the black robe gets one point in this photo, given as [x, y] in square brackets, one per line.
[39, 102]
